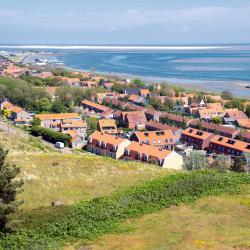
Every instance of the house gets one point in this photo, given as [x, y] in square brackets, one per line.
[235, 114]
[176, 120]
[152, 114]
[216, 98]
[107, 126]
[78, 126]
[102, 96]
[196, 138]
[71, 81]
[155, 126]
[214, 128]
[160, 138]
[245, 135]
[134, 120]
[89, 84]
[243, 123]
[107, 145]
[15, 71]
[98, 108]
[76, 140]
[136, 99]
[108, 114]
[208, 114]
[108, 85]
[150, 154]
[49, 120]
[18, 114]
[131, 91]
[180, 100]
[144, 93]
[214, 105]
[45, 75]
[223, 145]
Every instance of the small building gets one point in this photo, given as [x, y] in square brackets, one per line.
[235, 114]
[107, 145]
[49, 120]
[208, 114]
[196, 138]
[161, 138]
[223, 145]
[245, 135]
[134, 120]
[98, 108]
[243, 123]
[152, 114]
[150, 154]
[155, 126]
[107, 126]
[144, 93]
[78, 126]
[214, 128]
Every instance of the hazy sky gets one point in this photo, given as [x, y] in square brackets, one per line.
[124, 21]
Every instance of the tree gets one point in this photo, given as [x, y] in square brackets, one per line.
[222, 163]
[247, 111]
[217, 120]
[195, 160]
[36, 122]
[9, 187]
[6, 113]
[238, 165]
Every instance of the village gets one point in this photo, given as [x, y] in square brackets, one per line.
[130, 120]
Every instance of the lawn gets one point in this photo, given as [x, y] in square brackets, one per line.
[217, 222]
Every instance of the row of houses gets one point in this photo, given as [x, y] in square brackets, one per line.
[121, 148]
[202, 140]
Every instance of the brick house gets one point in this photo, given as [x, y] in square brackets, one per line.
[107, 145]
[150, 154]
[161, 138]
[196, 138]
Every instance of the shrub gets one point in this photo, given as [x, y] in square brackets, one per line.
[50, 135]
[90, 219]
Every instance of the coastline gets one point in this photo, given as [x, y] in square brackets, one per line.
[185, 83]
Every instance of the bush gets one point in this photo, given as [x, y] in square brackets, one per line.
[90, 219]
[50, 135]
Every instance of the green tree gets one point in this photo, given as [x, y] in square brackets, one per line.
[195, 160]
[6, 113]
[238, 165]
[222, 163]
[9, 187]
[36, 122]
[247, 111]
[58, 107]
[217, 120]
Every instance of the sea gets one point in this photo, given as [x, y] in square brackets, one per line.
[213, 68]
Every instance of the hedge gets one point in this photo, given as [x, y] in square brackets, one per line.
[50, 135]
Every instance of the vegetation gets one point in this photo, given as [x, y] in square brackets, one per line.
[50, 135]
[213, 222]
[90, 219]
[9, 187]
[217, 120]
[195, 160]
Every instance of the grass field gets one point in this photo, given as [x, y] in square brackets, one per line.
[219, 222]
[50, 175]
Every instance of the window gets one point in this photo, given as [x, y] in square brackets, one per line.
[154, 141]
[171, 140]
[159, 141]
[166, 140]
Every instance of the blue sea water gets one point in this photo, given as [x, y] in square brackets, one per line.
[226, 67]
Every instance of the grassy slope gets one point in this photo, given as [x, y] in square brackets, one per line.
[50, 175]
[219, 222]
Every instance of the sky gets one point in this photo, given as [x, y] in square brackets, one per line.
[141, 22]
